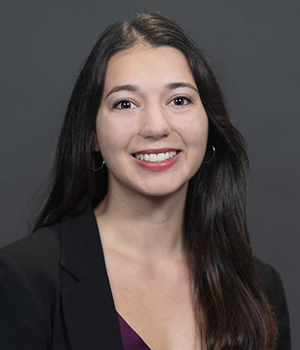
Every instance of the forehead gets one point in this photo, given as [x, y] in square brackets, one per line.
[146, 65]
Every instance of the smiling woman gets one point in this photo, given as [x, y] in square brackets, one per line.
[150, 249]
[148, 124]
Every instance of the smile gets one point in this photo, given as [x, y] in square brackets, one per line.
[152, 157]
[157, 160]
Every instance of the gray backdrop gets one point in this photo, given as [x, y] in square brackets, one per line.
[253, 47]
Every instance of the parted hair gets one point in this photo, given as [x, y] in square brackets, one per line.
[231, 308]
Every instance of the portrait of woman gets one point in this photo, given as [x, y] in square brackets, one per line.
[142, 242]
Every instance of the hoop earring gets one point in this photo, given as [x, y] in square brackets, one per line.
[213, 155]
[102, 165]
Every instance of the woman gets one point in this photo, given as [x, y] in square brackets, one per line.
[142, 243]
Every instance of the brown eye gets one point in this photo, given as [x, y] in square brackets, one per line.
[124, 104]
[181, 101]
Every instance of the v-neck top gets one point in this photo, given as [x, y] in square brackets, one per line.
[130, 339]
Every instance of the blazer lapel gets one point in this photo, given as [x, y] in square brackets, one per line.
[87, 302]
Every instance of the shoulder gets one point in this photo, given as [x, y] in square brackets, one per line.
[29, 286]
[274, 289]
[33, 263]
[271, 280]
[38, 250]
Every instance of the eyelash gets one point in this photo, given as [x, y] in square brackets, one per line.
[176, 98]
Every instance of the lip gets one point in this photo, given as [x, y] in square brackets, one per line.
[158, 166]
[157, 150]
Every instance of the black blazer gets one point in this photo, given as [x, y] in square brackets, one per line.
[55, 293]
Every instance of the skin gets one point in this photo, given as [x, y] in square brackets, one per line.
[140, 219]
[151, 202]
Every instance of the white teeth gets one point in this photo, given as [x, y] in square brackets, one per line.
[156, 157]
[161, 157]
[153, 158]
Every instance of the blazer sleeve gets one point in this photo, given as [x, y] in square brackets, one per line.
[22, 324]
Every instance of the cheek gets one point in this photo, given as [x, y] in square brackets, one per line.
[113, 136]
[196, 142]
[194, 130]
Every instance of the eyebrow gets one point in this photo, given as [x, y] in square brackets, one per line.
[170, 86]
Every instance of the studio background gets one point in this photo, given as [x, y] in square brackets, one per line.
[253, 48]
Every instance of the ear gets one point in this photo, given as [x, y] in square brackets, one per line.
[95, 143]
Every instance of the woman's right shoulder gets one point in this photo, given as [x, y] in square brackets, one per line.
[37, 253]
[29, 287]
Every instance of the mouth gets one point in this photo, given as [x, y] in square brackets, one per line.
[154, 156]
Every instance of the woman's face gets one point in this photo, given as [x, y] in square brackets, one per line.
[151, 125]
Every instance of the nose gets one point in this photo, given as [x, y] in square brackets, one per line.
[154, 123]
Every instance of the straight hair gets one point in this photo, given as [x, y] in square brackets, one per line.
[231, 309]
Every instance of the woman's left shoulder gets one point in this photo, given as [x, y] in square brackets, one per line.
[270, 278]
[274, 289]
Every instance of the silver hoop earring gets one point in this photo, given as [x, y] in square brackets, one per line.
[102, 165]
[213, 155]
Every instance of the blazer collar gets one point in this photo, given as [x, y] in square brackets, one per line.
[82, 253]
[87, 303]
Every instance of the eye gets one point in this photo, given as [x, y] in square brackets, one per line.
[181, 101]
[124, 104]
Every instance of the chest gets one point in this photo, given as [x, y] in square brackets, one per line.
[156, 304]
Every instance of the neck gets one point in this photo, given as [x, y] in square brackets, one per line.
[143, 227]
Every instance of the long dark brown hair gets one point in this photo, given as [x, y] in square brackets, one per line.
[231, 308]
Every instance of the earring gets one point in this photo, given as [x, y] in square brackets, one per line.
[213, 155]
[102, 165]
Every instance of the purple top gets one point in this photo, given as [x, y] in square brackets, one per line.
[130, 339]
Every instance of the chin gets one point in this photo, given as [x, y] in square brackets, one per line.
[162, 191]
